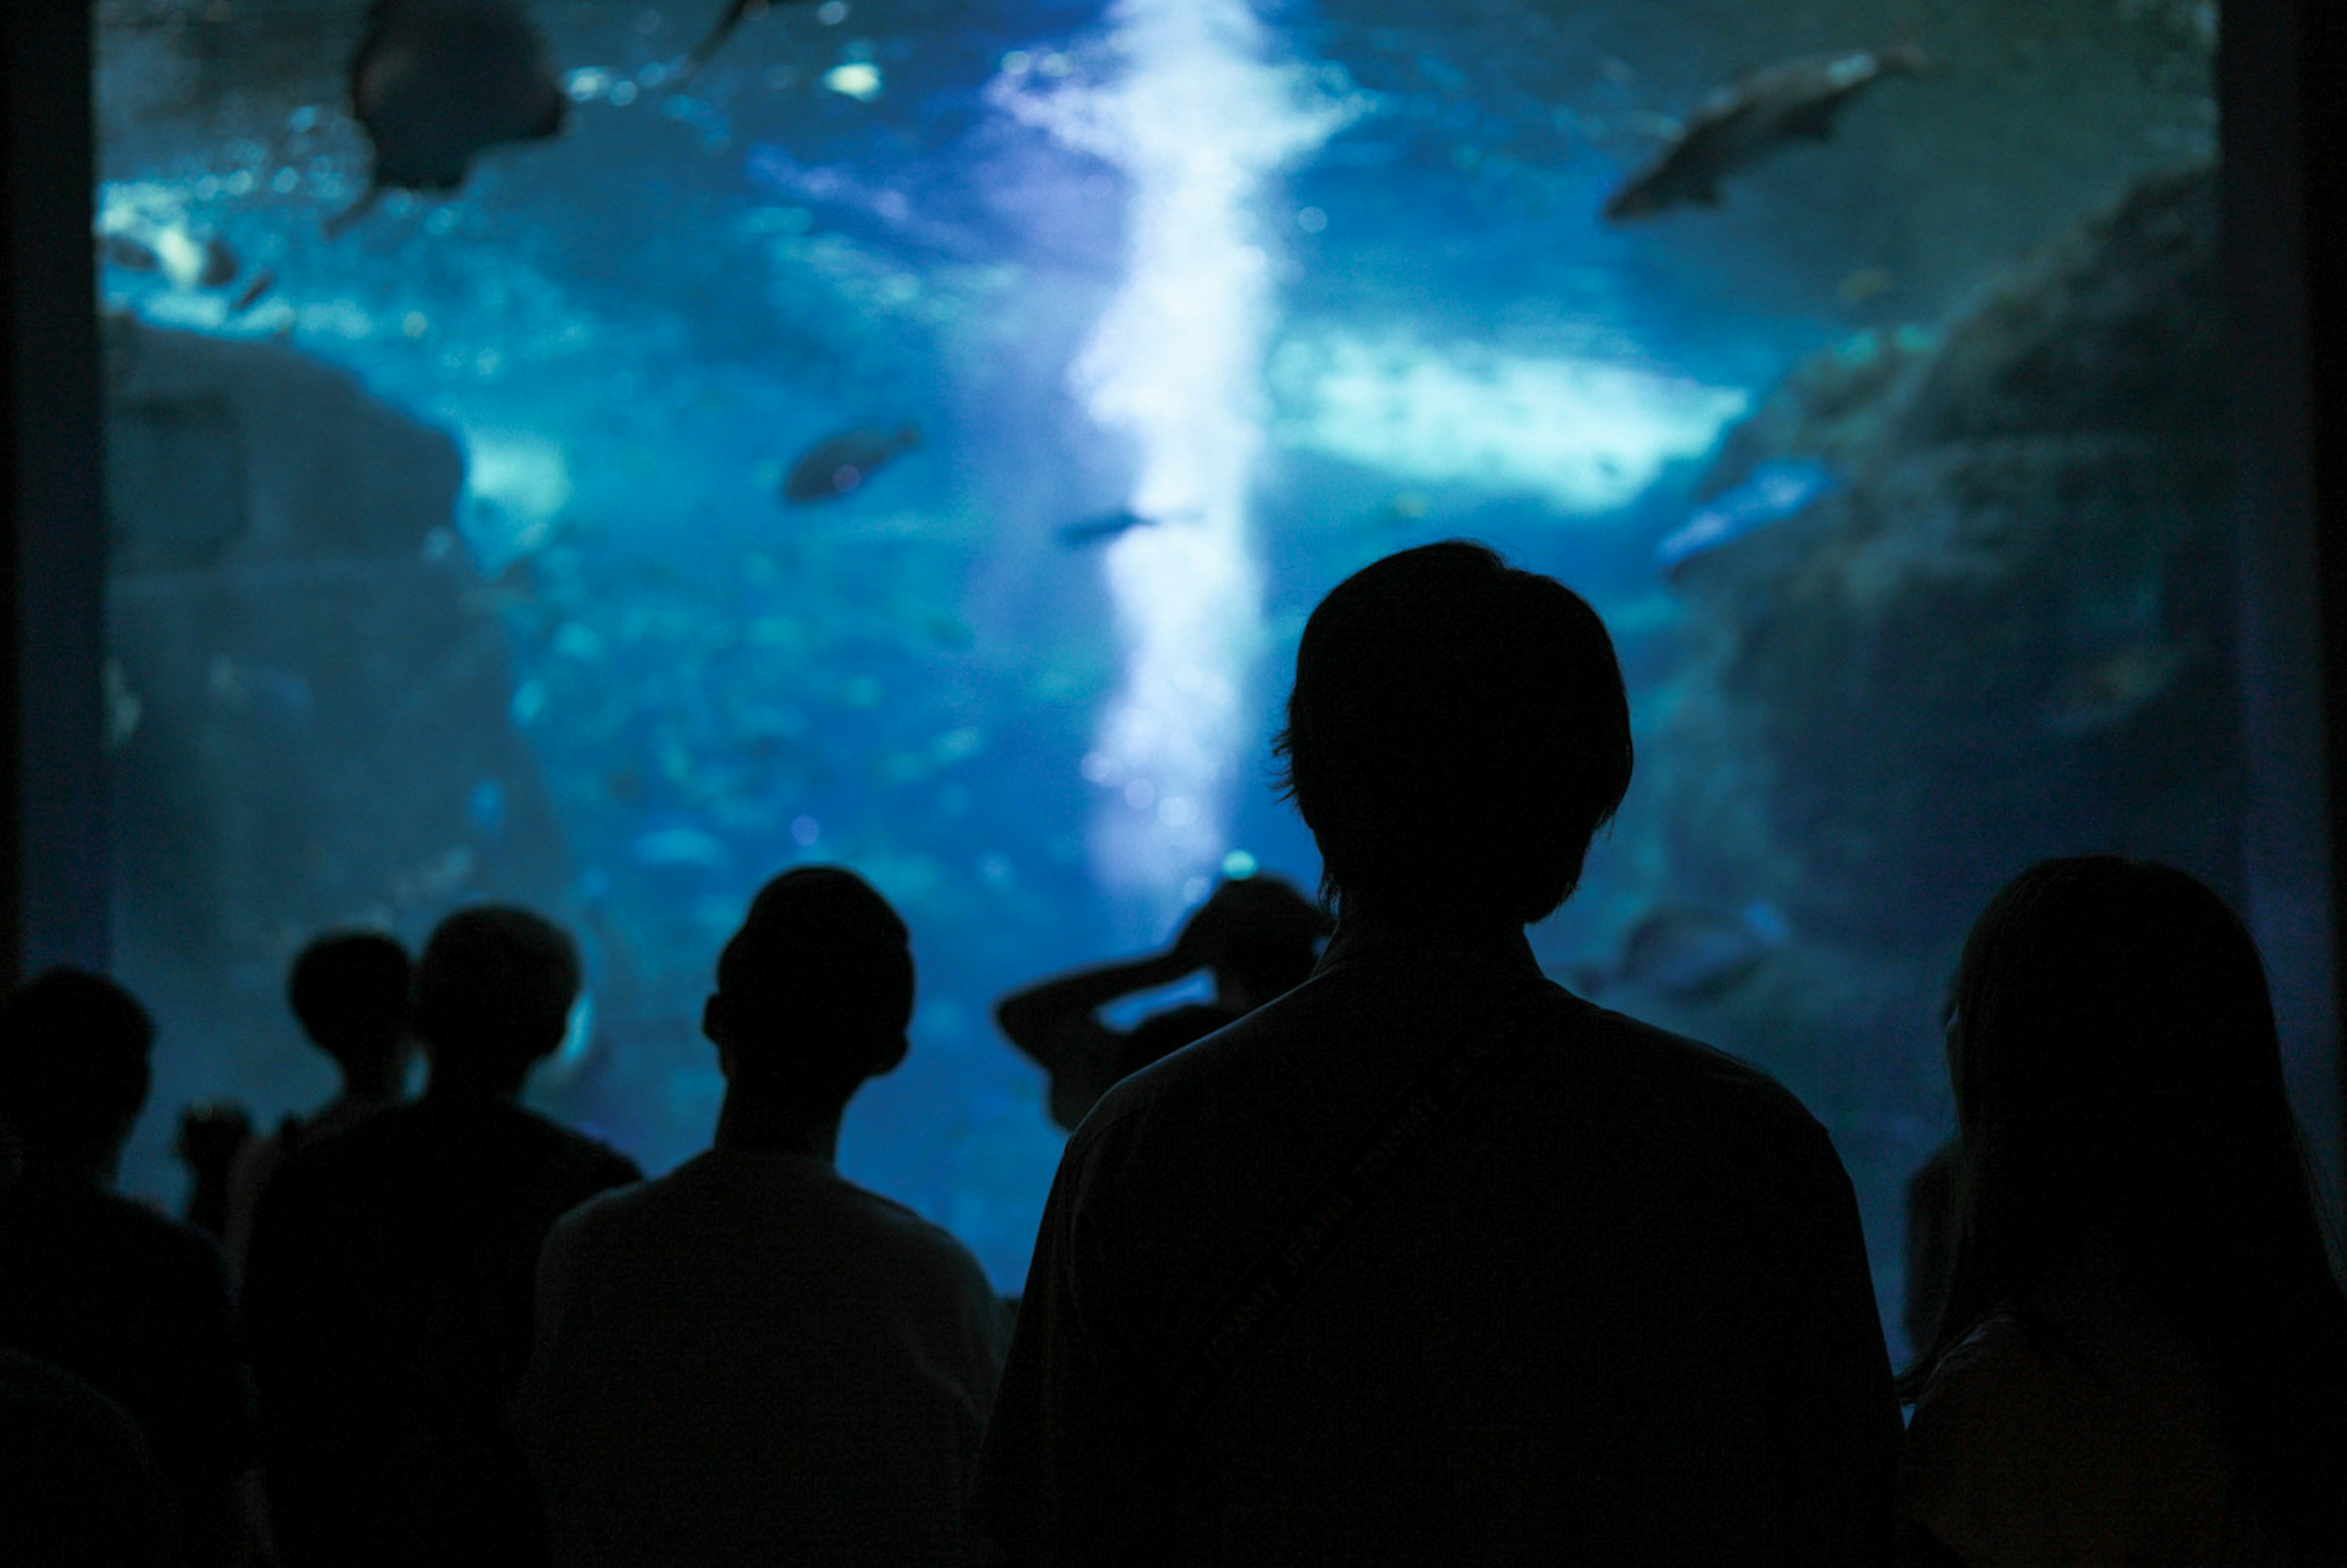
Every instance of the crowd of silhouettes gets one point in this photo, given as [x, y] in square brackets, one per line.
[1394, 1251]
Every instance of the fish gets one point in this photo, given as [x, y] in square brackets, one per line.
[1776, 489]
[838, 464]
[1689, 952]
[436, 83]
[187, 261]
[735, 13]
[682, 846]
[249, 295]
[1744, 121]
[2114, 688]
[1110, 525]
[1866, 283]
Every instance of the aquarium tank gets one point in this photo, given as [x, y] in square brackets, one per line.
[600, 452]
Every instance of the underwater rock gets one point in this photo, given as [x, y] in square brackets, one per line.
[2011, 635]
[315, 728]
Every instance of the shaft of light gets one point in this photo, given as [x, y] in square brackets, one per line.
[1199, 121]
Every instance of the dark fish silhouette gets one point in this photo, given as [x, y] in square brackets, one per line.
[1749, 118]
[1689, 952]
[838, 464]
[734, 15]
[436, 83]
[249, 295]
[1108, 524]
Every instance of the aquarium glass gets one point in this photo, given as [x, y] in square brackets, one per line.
[913, 435]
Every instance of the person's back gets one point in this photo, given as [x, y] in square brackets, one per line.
[1596, 1292]
[2142, 1357]
[81, 1490]
[387, 1296]
[113, 1293]
[751, 1358]
[349, 990]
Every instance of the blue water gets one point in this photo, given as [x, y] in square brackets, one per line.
[920, 213]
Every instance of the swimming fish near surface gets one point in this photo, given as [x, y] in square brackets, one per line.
[1110, 525]
[736, 15]
[838, 464]
[1689, 952]
[1776, 489]
[436, 83]
[1748, 119]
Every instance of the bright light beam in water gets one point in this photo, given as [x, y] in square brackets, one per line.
[1199, 121]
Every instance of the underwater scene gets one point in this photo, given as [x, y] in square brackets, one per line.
[598, 453]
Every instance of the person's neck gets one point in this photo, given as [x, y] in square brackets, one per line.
[1364, 925]
[446, 1086]
[754, 1121]
[371, 1089]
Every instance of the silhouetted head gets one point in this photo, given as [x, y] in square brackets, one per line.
[814, 991]
[493, 995]
[74, 1071]
[350, 991]
[2119, 1088]
[1266, 936]
[1456, 735]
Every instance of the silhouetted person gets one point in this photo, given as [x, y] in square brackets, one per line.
[752, 1360]
[387, 1294]
[2143, 1357]
[78, 1488]
[1932, 1219]
[1429, 1261]
[104, 1288]
[349, 991]
[213, 1135]
[1257, 936]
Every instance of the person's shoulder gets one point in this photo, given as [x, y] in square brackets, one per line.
[158, 1244]
[1638, 1056]
[591, 1160]
[914, 1238]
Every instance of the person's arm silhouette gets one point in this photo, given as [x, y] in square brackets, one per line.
[1057, 1024]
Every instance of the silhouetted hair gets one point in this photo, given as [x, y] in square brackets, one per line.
[494, 989]
[350, 991]
[74, 1070]
[1456, 735]
[2118, 1076]
[818, 982]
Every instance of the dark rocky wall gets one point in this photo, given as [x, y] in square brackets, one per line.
[308, 694]
[2011, 635]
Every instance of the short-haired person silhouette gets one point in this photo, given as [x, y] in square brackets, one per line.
[349, 991]
[1256, 936]
[752, 1360]
[1595, 1293]
[100, 1286]
[2143, 1353]
[387, 1293]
